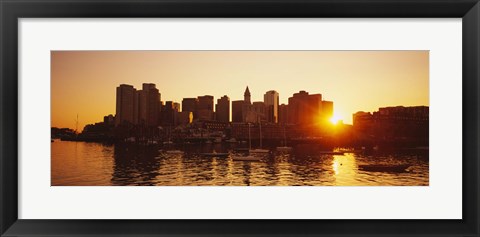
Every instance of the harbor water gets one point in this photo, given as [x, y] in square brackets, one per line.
[96, 164]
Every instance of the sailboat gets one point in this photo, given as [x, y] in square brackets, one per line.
[258, 150]
[247, 157]
[284, 148]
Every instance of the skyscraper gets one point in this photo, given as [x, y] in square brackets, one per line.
[190, 105]
[271, 100]
[237, 111]
[176, 106]
[126, 105]
[247, 103]
[169, 114]
[148, 105]
[304, 109]
[222, 109]
[327, 110]
[257, 112]
[205, 107]
[283, 114]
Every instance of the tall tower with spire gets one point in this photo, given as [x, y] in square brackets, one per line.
[246, 97]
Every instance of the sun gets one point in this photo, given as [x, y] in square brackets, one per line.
[334, 119]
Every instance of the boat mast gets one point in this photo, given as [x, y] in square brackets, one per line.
[249, 138]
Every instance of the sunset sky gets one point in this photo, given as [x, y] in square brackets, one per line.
[84, 82]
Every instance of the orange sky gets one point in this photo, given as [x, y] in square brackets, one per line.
[84, 82]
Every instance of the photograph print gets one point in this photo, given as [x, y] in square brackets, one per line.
[239, 118]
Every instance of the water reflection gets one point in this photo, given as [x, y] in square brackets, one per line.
[345, 169]
[87, 164]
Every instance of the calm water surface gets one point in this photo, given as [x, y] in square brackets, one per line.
[94, 164]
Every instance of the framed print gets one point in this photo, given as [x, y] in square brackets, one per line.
[239, 118]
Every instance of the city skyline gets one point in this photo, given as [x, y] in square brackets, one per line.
[144, 107]
[358, 95]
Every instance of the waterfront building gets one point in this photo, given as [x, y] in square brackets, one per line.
[190, 105]
[184, 118]
[271, 100]
[205, 107]
[237, 111]
[214, 125]
[222, 109]
[148, 105]
[257, 113]
[390, 123]
[304, 108]
[283, 114]
[327, 110]
[405, 113]
[169, 114]
[176, 107]
[240, 131]
[161, 107]
[109, 119]
[126, 105]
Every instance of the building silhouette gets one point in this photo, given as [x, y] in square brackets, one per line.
[126, 105]
[246, 96]
[237, 111]
[222, 109]
[169, 114]
[176, 107]
[148, 105]
[184, 118]
[394, 122]
[256, 113]
[136, 107]
[190, 105]
[304, 108]
[283, 114]
[144, 107]
[141, 115]
[327, 110]
[271, 100]
[205, 107]
[247, 103]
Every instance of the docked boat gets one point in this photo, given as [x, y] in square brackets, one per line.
[232, 140]
[246, 158]
[284, 148]
[384, 168]
[174, 152]
[215, 154]
[241, 149]
[331, 152]
[258, 150]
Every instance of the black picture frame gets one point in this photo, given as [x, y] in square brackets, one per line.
[11, 11]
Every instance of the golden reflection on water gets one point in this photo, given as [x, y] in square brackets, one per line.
[345, 169]
[92, 164]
